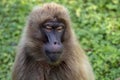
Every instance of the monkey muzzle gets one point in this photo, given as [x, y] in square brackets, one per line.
[53, 52]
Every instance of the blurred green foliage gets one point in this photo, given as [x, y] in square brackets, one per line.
[96, 24]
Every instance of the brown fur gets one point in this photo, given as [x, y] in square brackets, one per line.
[30, 63]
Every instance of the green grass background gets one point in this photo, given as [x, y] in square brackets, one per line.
[96, 24]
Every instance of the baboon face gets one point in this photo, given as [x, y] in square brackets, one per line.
[52, 33]
[49, 28]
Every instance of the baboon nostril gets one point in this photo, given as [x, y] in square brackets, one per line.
[55, 43]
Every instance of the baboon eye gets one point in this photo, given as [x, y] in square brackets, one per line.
[48, 28]
[59, 29]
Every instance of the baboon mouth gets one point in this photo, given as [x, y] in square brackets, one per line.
[53, 57]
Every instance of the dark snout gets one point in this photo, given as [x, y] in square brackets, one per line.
[53, 51]
[53, 46]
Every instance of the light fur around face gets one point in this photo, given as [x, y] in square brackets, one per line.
[30, 62]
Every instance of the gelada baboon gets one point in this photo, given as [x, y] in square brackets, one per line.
[48, 49]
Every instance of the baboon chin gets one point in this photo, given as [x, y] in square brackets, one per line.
[48, 49]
